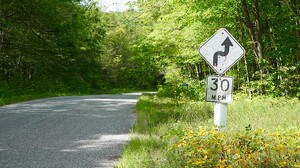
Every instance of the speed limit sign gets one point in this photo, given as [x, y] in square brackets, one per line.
[219, 89]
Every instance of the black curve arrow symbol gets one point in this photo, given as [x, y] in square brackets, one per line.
[227, 43]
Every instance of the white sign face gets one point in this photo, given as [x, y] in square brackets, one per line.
[221, 51]
[219, 89]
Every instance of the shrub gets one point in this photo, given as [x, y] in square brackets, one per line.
[210, 148]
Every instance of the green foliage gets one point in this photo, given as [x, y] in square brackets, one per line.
[50, 45]
[175, 29]
[181, 86]
[127, 60]
[73, 46]
[260, 132]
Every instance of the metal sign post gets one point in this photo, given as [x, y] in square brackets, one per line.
[221, 51]
[219, 89]
[220, 115]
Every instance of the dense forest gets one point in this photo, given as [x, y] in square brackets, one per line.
[73, 46]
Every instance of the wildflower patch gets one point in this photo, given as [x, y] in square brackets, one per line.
[210, 148]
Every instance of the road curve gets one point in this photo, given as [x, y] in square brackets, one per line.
[66, 132]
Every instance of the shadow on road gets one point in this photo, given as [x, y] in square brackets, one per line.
[80, 131]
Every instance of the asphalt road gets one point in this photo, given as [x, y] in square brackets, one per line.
[66, 132]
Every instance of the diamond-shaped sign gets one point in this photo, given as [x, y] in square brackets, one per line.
[221, 51]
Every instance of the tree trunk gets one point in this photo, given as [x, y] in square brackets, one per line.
[255, 31]
[199, 71]
[294, 7]
[1, 27]
[1, 39]
[247, 78]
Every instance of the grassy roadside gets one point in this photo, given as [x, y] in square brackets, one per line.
[22, 98]
[262, 132]
[10, 99]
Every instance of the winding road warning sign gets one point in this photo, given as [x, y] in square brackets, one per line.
[221, 51]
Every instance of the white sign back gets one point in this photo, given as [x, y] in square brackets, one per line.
[221, 51]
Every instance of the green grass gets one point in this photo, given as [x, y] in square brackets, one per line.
[10, 99]
[162, 121]
[263, 112]
[22, 98]
[26, 97]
